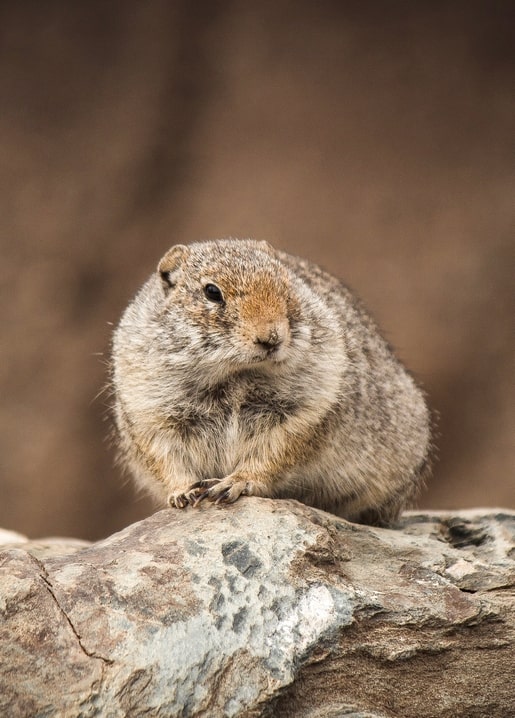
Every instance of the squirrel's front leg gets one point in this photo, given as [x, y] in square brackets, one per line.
[268, 462]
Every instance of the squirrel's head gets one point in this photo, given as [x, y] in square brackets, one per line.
[235, 301]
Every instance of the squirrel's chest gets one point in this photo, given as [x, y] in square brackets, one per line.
[223, 425]
[210, 439]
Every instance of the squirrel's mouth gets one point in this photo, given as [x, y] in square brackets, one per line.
[274, 355]
[263, 353]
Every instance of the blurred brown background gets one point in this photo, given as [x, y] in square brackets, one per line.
[373, 138]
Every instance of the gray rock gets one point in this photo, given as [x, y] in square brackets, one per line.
[263, 608]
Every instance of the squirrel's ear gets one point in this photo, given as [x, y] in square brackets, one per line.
[169, 265]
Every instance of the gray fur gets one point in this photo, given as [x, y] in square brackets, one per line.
[284, 389]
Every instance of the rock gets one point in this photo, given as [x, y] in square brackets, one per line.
[52, 546]
[11, 537]
[264, 608]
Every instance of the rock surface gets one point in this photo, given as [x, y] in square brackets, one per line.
[263, 608]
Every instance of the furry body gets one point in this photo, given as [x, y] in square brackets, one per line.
[279, 385]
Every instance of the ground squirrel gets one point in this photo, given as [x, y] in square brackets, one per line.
[241, 370]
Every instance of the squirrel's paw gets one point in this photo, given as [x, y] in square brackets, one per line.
[221, 491]
[181, 499]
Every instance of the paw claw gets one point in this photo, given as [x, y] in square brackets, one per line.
[198, 498]
[179, 501]
[207, 483]
[223, 497]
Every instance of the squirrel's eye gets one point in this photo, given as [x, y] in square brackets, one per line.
[213, 293]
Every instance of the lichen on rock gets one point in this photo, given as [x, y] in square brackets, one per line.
[263, 608]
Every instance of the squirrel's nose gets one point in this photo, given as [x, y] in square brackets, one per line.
[269, 340]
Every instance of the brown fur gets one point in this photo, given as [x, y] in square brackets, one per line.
[281, 387]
